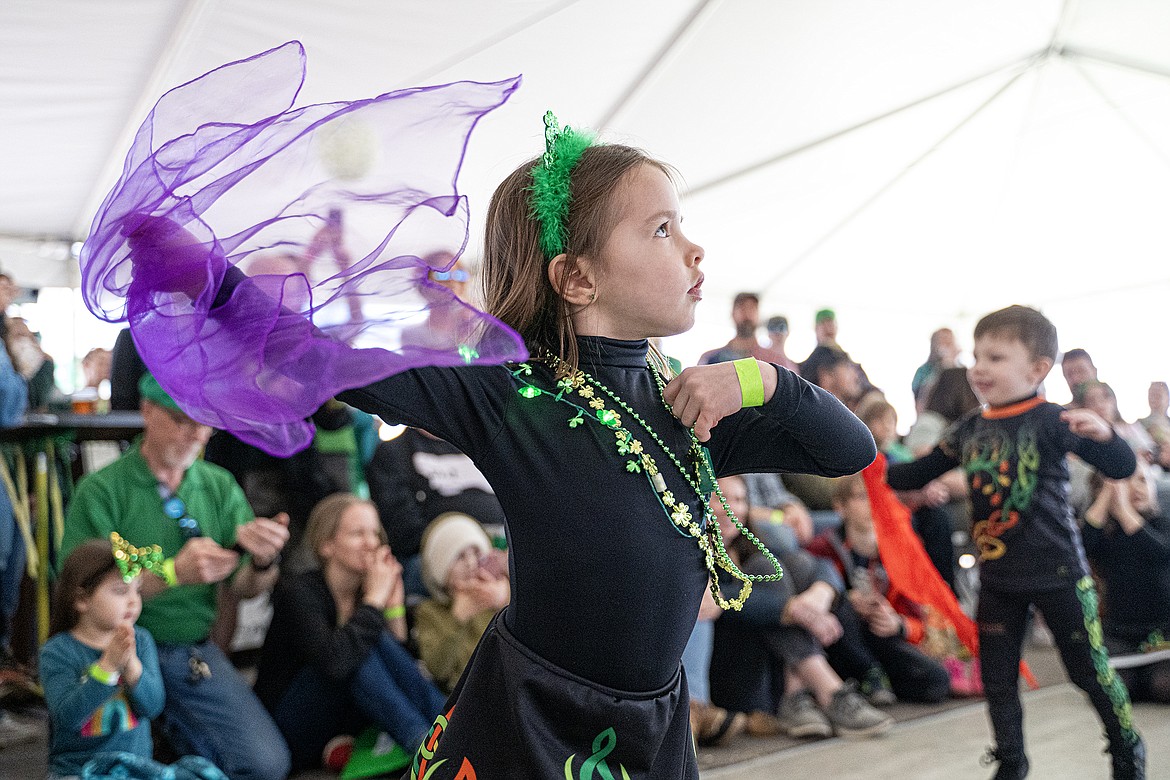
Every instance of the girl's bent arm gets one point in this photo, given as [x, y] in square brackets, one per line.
[800, 429]
[70, 693]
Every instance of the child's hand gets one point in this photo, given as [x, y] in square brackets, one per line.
[701, 396]
[120, 650]
[1087, 424]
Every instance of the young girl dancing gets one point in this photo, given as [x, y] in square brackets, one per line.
[602, 461]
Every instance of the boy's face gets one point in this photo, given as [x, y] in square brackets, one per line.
[854, 509]
[1005, 371]
[884, 428]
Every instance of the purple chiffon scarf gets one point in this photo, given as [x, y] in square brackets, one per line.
[268, 257]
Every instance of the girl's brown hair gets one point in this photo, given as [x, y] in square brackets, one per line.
[83, 570]
[325, 519]
[515, 274]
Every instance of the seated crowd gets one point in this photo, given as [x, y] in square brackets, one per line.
[386, 560]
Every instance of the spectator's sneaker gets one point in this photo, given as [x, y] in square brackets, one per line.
[876, 688]
[802, 718]
[852, 716]
[337, 752]
[1011, 767]
[1130, 762]
[15, 732]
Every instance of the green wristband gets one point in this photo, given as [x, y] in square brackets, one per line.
[393, 613]
[751, 381]
[167, 572]
[96, 672]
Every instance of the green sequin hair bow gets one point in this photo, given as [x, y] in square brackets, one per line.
[551, 178]
[132, 560]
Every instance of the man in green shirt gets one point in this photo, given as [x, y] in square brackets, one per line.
[161, 493]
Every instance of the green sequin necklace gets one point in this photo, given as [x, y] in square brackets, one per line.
[579, 390]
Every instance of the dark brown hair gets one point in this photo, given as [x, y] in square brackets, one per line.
[515, 272]
[1035, 331]
[951, 396]
[83, 570]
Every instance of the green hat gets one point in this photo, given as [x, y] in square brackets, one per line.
[825, 314]
[151, 390]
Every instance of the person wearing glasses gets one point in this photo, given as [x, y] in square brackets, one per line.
[161, 492]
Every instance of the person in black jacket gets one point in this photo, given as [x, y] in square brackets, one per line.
[1127, 539]
[333, 660]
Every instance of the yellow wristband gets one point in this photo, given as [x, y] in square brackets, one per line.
[101, 675]
[751, 381]
[167, 572]
[777, 516]
[393, 613]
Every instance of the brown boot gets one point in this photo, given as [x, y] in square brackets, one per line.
[713, 725]
[762, 724]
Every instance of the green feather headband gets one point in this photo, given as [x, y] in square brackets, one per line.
[551, 178]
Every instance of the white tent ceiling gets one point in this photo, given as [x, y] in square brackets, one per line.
[912, 163]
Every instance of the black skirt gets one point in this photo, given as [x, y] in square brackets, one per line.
[514, 715]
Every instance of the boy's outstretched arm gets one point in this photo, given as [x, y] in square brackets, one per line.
[918, 473]
[1095, 442]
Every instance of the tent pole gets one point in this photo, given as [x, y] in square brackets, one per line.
[875, 197]
[702, 9]
[1026, 62]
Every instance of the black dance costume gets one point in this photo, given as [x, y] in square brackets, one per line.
[581, 672]
[1030, 555]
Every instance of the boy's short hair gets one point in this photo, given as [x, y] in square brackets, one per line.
[1025, 324]
[874, 408]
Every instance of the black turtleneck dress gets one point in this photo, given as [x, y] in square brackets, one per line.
[583, 665]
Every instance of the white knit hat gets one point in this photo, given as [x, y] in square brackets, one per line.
[443, 542]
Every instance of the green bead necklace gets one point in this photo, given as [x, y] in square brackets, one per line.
[580, 385]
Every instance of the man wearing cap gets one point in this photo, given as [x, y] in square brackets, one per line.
[828, 354]
[161, 492]
[745, 314]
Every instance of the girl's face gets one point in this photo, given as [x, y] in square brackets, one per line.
[648, 280]
[463, 570]
[112, 603]
[358, 537]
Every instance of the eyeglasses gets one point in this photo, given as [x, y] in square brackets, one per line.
[455, 275]
[175, 509]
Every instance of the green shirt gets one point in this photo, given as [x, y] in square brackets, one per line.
[124, 497]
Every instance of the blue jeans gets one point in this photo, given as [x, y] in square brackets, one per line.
[219, 717]
[388, 691]
[696, 660]
[12, 564]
